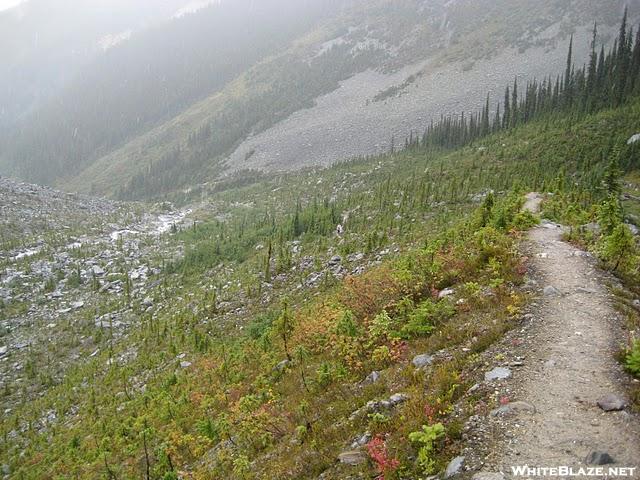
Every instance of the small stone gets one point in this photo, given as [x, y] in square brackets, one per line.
[447, 292]
[498, 373]
[421, 361]
[397, 398]
[352, 457]
[599, 458]
[4, 350]
[513, 408]
[551, 291]
[361, 441]
[373, 377]
[77, 305]
[454, 467]
[185, 364]
[612, 403]
[280, 367]
[147, 302]
[633, 139]
[335, 260]
[474, 388]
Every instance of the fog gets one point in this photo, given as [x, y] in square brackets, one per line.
[6, 4]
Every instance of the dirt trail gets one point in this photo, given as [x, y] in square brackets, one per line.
[569, 365]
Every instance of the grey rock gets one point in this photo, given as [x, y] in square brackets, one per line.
[352, 457]
[4, 350]
[97, 270]
[147, 302]
[373, 377]
[633, 139]
[636, 303]
[592, 227]
[454, 467]
[612, 403]
[498, 373]
[423, 360]
[474, 388]
[335, 260]
[634, 230]
[280, 367]
[447, 292]
[599, 458]
[185, 364]
[513, 408]
[355, 257]
[551, 291]
[397, 399]
[361, 441]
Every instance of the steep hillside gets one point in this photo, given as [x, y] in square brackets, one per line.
[47, 42]
[339, 83]
[304, 324]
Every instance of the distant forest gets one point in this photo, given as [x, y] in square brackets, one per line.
[608, 80]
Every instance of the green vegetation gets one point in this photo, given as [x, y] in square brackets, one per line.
[232, 406]
[274, 385]
[632, 360]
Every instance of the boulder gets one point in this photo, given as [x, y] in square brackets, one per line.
[612, 403]
[633, 139]
[498, 373]
[361, 440]
[632, 228]
[335, 260]
[373, 377]
[281, 366]
[599, 458]
[423, 360]
[97, 270]
[397, 399]
[454, 467]
[447, 292]
[352, 457]
[551, 291]
[513, 408]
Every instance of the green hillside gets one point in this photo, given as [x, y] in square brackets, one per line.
[151, 137]
[236, 410]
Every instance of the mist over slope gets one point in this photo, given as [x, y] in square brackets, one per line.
[281, 84]
[45, 43]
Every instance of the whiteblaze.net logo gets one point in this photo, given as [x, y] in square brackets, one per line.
[567, 472]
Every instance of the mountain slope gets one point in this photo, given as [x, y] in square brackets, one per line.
[47, 42]
[184, 374]
[347, 80]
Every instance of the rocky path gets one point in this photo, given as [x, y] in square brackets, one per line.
[569, 367]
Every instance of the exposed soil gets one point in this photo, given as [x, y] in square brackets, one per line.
[567, 364]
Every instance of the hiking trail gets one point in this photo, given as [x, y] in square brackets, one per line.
[568, 365]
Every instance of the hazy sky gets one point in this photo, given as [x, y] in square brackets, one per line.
[4, 4]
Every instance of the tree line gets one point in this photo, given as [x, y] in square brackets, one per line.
[608, 80]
